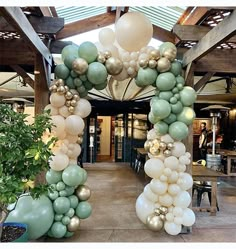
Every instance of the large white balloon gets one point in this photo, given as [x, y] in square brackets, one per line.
[171, 162]
[149, 194]
[158, 187]
[179, 149]
[185, 181]
[183, 199]
[74, 125]
[172, 228]
[58, 124]
[53, 109]
[188, 217]
[83, 108]
[144, 207]
[59, 162]
[154, 167]
[57, 100]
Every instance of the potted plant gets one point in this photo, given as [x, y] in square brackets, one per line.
[23, 155]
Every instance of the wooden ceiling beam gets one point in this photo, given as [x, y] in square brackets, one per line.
[185, 15]
[162, 34]
[196, 16]
[203, 81]
[53, 11]
[45, 11]
[222, 32]
[86, 25]
[17, 18]
[20, 71]
[19, 58]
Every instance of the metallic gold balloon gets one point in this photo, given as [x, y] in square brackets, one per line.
[156, 141]
[163, 65]
[60, 82]
[157, 211]
[170, 146]
[154, 222]
[163, 217]
[66, 88]
[162, 146]
[83, 192]
[143, 63]
[53, 88]
[167, 153]
[114, 65]
[107, 54]
[80, 140]
[147, 145]
[68, 103]
[73, 102]
[154, 151]
[71, 109]
[155, 54]
[69, 95]
[152, 63]
[170, 53]
[76, 97]
[61, 90]
[101, 58]
[163, 210]
[74, 224]
[80, 65]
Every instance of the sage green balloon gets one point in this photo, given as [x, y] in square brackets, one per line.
[152, 118]
[146, 76]
[178, 130]
[153, 99]
[70, 82]
[165, 81]
[88, 51]
[85, 176]
[71, 212]
[175, 90]
[101, 86]
[69, 60]
[69, 190]
[83, 77]
[177, 108]
[63, 193]
[72, 175]
[170, 119]
[58, 230]
[88, 85]
[69, 50]
[188, 96]
[166, 95]
[161, 128]
[61, 205]
[53, 176]
[81, 89]
[180, 80]
[60, 186]
[166, 45]
[161, 109]
[58, 217]
[176, 68]
[53, 195]
[97, 73]
[186, 116]
[74, 201]
[65, 220]
[54, 186]
[61, 71]
[73, 74]
[83, 210]
[83, 94]
[173, 100]
[180, 86]
[177, 96]
[78, 82]
[69, 234]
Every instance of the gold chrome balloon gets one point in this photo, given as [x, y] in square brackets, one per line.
[107, 54]
[162, 146]
[147, 145]
[167, 153]
[80, 140]
[83, 192]
[143, 63]
[154, 222]
[68, 103]
[53, 88]
[60, 82]
[155, 54]
[157, 211]
[152, 63]
[154, 151]
[170, 146]
[101, 58]
[114, 65]
[61, 90]
[163, 217]
[170, 53]
[76, 97]
[73, 102]
[80, 65]
[71, 109]
[163, 65]
[66, 88]
[69, 95]
[163, 210]
[74, 224]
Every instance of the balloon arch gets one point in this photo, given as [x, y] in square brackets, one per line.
[123, 54]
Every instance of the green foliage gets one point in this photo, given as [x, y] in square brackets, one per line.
[23, 153]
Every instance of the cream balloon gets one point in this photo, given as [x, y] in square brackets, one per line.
[179, 149]
[113, 49]
[149, 194]
[152, 134]
[183, 199]
[74, 125]
[61, 135]
[106, 36]
[133, 31]
[173, 189]
[73, 161]
[59, 162]
[171, 162]
[185, 181]
[173, 177]
[163, 178]
[167, 139]
[57, 100]
[63, 111]
[83, 108]
[53, 109]
[188, 217]
[158, 187]
[171, 228]
[154, 167]
[75, 152]
[178, 220]
[178, 211]
[167, 171]
[58, 123]
[166, 200]
[71, 138]
[187, 154]
[169, 217]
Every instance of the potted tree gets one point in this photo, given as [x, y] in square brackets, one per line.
[23, 155]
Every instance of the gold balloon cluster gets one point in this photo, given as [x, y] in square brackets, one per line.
[155, 221]
[113, 65]
[161, 62]
[83, 192]
[155, 147]
[71, 99]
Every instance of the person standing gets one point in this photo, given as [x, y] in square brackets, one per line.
[203, 141]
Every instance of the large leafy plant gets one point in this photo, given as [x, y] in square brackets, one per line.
[23, 155]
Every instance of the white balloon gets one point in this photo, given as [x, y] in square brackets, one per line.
[178, 211]
[113, 49]
[106, 36]
[125, 56]
[59, 162]
[144, 207]
[179, 149]
[71, 138]
[173, 189]
[167, 171]
[170, 209]
[173, 177]
[171, 228]
[188, 155]
[83, 108]
[183, 199]
[149, 194]
[171, 162]
[167, 139]
[188, 217]
[53, 109]
[152, 134]
[161, 157]
[57, 100]
[134, 55]
[178, 220]
[163, 178]
[63, 111]
[75, 152]
[158, 187]
[181, 168]
[166, 200]
[74, 125]
[185, 181]
[58, 124]
[184, 159]
[154, 167]
[63, 148]
[169, 217]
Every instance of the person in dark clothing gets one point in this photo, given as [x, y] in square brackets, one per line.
[203, 141]
[80, 158]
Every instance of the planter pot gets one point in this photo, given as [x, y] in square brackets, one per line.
[21, 238]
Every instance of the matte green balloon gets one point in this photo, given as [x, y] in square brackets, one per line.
[54, 186]
[97, 73]
[161, 109]
[49, 234]
[73, 74]
[83, 94]
[177, 96]
[65, 220]
[69, 60]
[165, 81]
[69, 50]
[175, 90]
[166, 95]
[58, 229]
[70, 82]
[53, 195]
[161, 128]
[58, 217]
[81, 89]
[71, 212]
[188, 96]
[170, 119]
[153, 119]
[74, 201]
[186, 116]
[88, 85]
[61, 205]
[180, 80]
[83, 77]
[78, 82]
[69, 234]
[180, 86]
[176, 68]
[173, 100]
[153, 99]
[63, 193]
[83, 210]
[72, 175]
[69, 190]
[53, 176]
[166, 45]
[60, 186]
[88, 51]
[101, 86]
[177, 108]
[178, 130]
[146, 76]
[38, 214]
[85, 176]
[61, 71]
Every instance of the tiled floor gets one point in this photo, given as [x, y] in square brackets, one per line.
[115, 188]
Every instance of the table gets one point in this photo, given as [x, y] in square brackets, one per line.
[200, 173]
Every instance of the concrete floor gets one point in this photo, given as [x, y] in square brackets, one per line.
[115, 188]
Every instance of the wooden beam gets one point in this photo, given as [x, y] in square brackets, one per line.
[53, 11]
[86, 25]
[19, 58]
[203, 81]
[43, 25]
[194, 32]
[189, 74]
[185, 15]
[20, 71]
[162, 34]
[45, 11]
[16, 17]
[223, 31]
[196, 16]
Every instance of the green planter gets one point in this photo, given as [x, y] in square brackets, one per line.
[24, 236]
